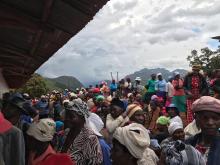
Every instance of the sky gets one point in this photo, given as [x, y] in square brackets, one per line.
[129, 35]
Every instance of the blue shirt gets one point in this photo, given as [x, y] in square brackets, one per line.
[106, 151]
[42, 107]
[113, 87]
[160, 85]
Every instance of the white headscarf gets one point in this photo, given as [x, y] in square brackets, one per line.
[134, 137]
[174, 126]
[95, 123]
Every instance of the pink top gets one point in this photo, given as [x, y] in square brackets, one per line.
[5, 125]
[178, 83]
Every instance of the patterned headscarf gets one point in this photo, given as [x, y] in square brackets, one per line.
[79, 106]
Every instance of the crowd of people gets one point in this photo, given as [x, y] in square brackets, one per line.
[158, 122]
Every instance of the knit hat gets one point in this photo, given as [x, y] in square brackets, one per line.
[132, 108]
[206, 103]
[163, 120]
[174, 126]
[43, 130]
[100, 98]
[118, 102]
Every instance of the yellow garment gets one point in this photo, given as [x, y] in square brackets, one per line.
[112, 124]
[191, 129]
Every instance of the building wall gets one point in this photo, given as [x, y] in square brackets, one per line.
[3, 85]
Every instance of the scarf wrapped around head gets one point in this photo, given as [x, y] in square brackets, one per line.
[163, 120]
[79, 106]
[95, 123]
[134, 137]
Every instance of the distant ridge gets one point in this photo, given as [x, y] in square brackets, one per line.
[63, 82]
[145, 73]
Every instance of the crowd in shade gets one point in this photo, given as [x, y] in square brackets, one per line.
[164, 121]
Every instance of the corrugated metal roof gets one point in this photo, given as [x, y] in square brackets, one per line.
[216, 37]
[31, 31]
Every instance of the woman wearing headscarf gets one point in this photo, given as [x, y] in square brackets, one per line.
[131, 146]
[97, 125]
[81, 142]
[179, 98]
[40, 151]
[161, 132]
[175, 151]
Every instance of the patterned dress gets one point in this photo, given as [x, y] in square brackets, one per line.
[195, 93]
[86, 150]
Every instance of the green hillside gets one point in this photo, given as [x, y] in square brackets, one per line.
[63, 82]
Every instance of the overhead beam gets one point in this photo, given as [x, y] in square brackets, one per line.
[9, 17]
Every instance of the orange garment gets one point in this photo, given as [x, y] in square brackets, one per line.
[155, 115]
[178, 87]
[50, 157]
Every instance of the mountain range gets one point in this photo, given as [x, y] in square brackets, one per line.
[69, 82]
[145, 73]
[63, 82]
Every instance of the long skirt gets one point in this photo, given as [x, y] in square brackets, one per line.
[190, 115]
[180, 102]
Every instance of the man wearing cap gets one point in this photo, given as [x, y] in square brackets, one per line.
[207, 112]
[195, 86]
[173, 114]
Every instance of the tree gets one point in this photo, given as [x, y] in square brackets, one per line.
[208, 59]
[35, 86]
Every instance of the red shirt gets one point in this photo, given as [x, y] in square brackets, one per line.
[178, 83]
[50, 157]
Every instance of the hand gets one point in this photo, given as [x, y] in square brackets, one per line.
[124, 115]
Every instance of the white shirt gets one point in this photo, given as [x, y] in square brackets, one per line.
[170, 89]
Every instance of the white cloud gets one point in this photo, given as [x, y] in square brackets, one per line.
[127, 35]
